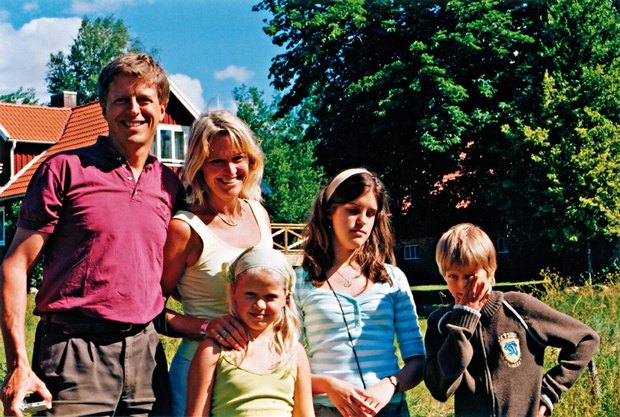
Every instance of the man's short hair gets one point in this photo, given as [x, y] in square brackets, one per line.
[135, 64]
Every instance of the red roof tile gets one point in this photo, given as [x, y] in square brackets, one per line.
[83, 127]
[33, 123]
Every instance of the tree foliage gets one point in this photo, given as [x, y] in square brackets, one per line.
[21, 96]
[501, 113]
[97, 43]
[290, 165]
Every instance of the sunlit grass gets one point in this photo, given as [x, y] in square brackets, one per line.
[598, 306]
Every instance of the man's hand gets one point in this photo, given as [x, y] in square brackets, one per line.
[19, 383]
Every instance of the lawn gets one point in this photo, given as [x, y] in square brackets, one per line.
[594, 395]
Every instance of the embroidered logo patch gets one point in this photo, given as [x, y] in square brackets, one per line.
[509, 344]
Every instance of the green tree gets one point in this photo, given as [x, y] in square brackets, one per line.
[569, 179]
[291, 172]
[21, 96]
[35, 275]
[97, 43]
[411, 90]
[448, 101]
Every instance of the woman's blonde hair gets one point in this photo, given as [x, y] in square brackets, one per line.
[207, 126]
[465, 245]
[319, 253]
[286, 331]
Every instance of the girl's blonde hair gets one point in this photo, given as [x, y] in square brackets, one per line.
[207, 126]
[319, 253]
[465, 245]
[286, 329]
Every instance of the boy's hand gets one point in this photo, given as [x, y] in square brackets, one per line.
[542, 410]
[476, 292]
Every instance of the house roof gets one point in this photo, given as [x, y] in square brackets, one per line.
[80, 126]
[29, 123]
[84, 125]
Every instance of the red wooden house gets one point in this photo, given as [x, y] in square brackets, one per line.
[30, 134]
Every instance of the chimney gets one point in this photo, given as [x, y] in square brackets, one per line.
[65, 99]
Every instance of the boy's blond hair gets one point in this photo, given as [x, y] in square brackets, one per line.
[465, 245]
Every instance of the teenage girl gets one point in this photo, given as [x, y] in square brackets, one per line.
[355, 303]
[271, 376]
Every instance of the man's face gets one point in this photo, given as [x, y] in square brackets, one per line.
[133, 111]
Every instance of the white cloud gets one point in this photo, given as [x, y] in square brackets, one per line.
[239, 74]
[24, 52]
[4, 15]
[30, 6]
[191, 89]
[102, 6]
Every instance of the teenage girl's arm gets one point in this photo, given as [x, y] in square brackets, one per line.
[408, 377]
[182, 249]
[302, 399]
[201, 378]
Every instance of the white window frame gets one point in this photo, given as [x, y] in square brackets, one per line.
[3, 230]
[502, 245]
[175, 160]
[410, 252]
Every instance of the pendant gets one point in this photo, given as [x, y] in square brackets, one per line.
[348, 283]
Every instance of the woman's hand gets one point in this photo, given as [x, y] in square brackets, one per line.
[228, 331]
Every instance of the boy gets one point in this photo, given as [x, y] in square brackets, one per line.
[487, 348]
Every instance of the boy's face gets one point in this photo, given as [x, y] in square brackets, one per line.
[461, 280]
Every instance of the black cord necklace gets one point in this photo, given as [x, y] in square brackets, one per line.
[359, 368]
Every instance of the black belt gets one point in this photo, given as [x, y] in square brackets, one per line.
[73, 324]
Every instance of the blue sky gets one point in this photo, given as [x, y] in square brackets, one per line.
[208, 47]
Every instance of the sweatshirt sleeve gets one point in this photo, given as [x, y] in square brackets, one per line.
[577, 343]
[449, 351]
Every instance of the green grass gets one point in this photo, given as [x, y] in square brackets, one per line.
[598, 306]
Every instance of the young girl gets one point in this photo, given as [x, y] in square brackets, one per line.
[354, 303]
[271, 376]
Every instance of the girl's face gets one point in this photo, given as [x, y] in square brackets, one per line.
[225, 169]
[259, 296]
[352, 222]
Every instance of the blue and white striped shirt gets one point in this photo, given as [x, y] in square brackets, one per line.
[375, 318]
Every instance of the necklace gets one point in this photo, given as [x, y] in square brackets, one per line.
[348, 281]
[230, 221]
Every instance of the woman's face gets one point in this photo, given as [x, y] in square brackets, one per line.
[226, 168]
[352, 222]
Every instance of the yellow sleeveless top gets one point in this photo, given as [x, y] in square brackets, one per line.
[242, 392]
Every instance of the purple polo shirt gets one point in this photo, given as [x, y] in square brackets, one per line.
[105, 254]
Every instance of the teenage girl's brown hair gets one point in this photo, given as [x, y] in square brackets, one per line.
[319, 255]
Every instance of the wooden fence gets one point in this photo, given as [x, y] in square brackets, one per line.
[287, 237]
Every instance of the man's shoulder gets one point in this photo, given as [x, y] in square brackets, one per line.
[69, 156]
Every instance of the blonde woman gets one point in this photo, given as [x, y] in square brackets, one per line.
[223, 171]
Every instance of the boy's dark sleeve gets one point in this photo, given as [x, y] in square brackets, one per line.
[577, 343]
[449, 352]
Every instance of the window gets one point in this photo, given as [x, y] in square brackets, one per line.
[170, 144]
[411, 252]
[2, 231]
[502, 245]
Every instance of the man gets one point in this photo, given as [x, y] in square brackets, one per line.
[99, 214]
